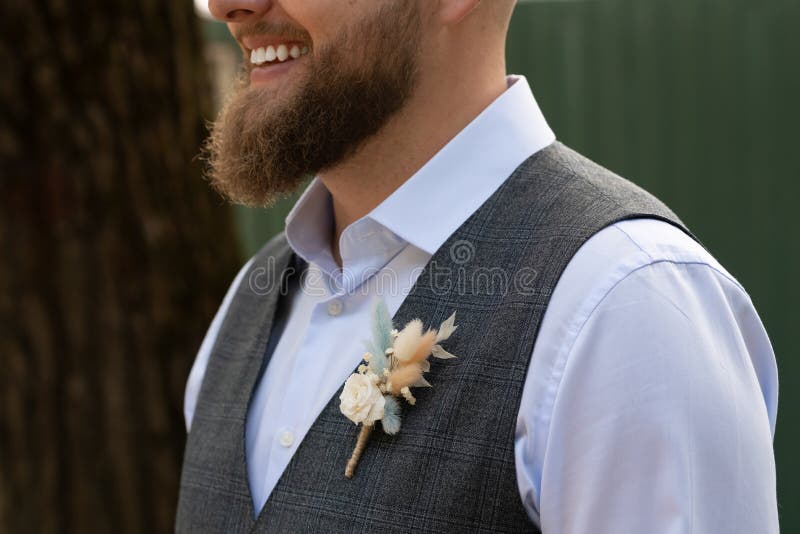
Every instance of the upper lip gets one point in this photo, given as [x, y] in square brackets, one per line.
[253, 42]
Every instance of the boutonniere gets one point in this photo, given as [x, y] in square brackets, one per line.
[393, 364]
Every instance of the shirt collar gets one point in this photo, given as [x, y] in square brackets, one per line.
[465, 173]
[449, 187]
[309, 224]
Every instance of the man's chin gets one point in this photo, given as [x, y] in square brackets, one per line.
[286, 122]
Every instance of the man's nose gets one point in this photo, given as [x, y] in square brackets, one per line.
[238, 10]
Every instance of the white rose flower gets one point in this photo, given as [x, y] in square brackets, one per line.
[361, 400]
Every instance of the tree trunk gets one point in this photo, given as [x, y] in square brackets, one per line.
[114, 255]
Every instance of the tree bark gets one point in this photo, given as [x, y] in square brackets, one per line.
[114, 257]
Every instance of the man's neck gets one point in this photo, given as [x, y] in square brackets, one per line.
[431, 118]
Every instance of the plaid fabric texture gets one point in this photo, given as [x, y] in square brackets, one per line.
[451, 467]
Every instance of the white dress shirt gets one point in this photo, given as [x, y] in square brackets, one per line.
[651, 398]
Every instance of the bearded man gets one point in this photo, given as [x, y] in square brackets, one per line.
[611, 375]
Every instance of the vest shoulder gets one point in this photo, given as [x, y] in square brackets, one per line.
[559, 159]
[265, 268]
[576, 184]
[276, 246]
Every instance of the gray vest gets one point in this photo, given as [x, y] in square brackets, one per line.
[451, 466]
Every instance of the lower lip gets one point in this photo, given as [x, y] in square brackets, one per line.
[270, 73]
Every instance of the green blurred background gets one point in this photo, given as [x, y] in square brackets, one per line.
[696, 101]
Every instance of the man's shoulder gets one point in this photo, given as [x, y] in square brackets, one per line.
[276, 246]
[661, 242]
[565, 183]
[623, 248]
[630, 244]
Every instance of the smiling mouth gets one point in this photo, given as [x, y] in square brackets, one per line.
[274, 55]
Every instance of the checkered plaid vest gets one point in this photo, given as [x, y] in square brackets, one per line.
[451, 467]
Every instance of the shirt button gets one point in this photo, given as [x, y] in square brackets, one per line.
[286, 438]
[335, 307]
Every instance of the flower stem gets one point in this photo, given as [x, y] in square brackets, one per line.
[360, 446]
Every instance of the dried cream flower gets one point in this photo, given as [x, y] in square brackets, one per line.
[406, 393]
[361, 400]
[407, 341]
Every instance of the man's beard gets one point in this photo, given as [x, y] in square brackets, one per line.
[260, 150]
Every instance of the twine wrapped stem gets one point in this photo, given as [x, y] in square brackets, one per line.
[363, 436]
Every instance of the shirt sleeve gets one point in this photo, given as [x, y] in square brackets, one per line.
[664, 413]
[195, 380]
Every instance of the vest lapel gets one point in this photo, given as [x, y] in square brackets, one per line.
[254, 313]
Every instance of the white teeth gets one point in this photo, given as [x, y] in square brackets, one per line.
[283, 53]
